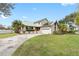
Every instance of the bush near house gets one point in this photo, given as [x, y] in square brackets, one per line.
[57, 32]
[63, 28]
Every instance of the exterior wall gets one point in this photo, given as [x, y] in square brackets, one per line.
[52, 28]
[42, 30]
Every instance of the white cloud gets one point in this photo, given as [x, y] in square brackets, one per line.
[24, 17]
[67, 4]
[2, 16]
[34, 8]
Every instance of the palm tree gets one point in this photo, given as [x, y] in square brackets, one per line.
[17, 25]
[63, 28]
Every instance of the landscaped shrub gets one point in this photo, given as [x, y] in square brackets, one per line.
[62, 28]
[57, 32]
[72, 32]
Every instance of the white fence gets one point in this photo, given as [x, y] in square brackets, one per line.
[6, 31]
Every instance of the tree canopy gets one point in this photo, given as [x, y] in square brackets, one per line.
[17, 24]
[5, 8]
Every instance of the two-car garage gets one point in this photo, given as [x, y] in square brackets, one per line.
[45, 30]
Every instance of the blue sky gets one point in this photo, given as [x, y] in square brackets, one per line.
[36, 11]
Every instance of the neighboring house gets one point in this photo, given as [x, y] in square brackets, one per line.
[42, 26]
[2, 26]
[71, 25]
[3, 29]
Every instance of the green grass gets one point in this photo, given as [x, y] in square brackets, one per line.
[50, 45]
[7, 35]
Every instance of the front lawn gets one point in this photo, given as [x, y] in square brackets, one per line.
[7, 35]
[50, 45]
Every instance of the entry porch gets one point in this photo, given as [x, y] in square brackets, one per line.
[30, 29]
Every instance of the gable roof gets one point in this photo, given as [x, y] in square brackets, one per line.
[30, 24]
[42, 20]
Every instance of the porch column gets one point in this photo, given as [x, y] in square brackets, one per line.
[21, 31]
[24, 29]
[34, 29]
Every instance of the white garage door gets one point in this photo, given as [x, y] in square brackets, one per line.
[46, 30]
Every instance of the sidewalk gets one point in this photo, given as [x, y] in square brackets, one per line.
[9, 45]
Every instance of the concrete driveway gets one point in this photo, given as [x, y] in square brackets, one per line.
[9, 45]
